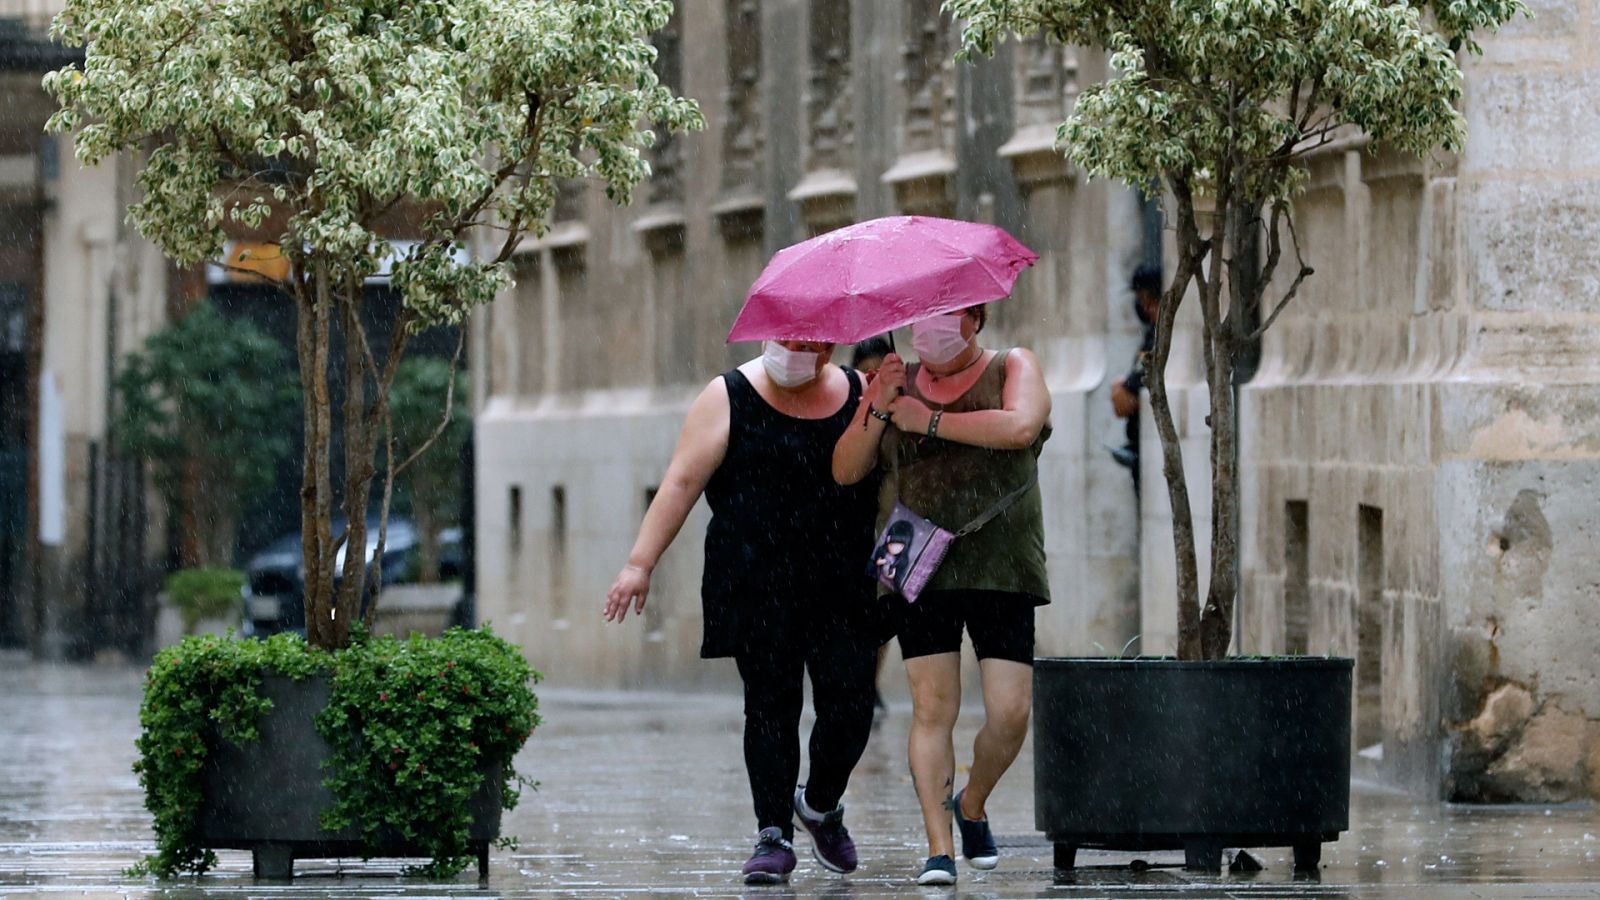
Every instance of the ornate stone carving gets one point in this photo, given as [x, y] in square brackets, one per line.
[928, 76]
[1047, 89]
[666, 157]
[829, 116]
[742, 136]
[1047, 81]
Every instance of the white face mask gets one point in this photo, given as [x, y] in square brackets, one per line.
[938, 340]
[788, 368]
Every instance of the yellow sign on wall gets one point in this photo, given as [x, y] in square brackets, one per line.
[266, 262]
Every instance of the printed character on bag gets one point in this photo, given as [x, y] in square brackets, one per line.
[909, 551]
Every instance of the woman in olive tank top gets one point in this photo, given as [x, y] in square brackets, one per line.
[955, 434]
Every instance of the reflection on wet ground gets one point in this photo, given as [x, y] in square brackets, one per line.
[646, 793]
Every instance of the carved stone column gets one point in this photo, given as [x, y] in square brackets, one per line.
[666, 157]
[1047, 90]
[922, 175]
[827, 192]
[740, 208]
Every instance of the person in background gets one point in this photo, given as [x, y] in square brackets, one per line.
[865, 358]
[784, 589]
[1146, 286]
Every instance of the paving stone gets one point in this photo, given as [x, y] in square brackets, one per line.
[645, 793]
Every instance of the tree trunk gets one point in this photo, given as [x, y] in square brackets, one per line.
[378, 420]
[221, 520]
[427, 541]
[357, 461]
[1188, 586]
[1228, 338]
[1216, 620]
[225, 536]
[315, 503]
[1216, 624]
[191, 533]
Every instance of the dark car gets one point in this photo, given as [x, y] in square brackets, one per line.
[275, 577]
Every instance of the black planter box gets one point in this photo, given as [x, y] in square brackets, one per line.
[1157, 754]
[266, 796]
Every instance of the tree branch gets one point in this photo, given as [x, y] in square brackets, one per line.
[454, 230]
[1191, 250]
[1304, 273]
[391, 471]
[1311, 104]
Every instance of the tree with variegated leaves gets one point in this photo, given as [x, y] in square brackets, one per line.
[1216, 103]
[320, 121]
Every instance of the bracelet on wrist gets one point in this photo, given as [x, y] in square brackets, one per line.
[933, 423]
[878, 414]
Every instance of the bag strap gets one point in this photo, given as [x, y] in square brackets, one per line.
[1002, 506]
[989, 514]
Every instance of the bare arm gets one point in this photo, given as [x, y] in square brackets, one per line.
[856, 454]
[1025, 407]
[1124, 402]
[701, 447]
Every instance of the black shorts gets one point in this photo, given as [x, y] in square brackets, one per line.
[1000, 623]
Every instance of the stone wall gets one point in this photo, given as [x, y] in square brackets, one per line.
[93, 290]
[820, 113]
[104, 292]
[1420, 443]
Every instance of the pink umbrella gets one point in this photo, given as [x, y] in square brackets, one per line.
[873, 277]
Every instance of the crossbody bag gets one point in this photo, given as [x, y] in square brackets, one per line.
[911, 547]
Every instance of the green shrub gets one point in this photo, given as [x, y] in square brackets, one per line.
[205, 594]
[405, 756]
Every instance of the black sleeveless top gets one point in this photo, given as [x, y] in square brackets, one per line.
[785, 540]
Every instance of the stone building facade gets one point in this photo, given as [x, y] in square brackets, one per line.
[1419, 446]
[821, 113]
[78, 290]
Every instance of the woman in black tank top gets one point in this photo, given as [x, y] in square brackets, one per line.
[784, 589]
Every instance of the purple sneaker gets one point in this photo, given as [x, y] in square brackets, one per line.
[830, 840]
[773, 860]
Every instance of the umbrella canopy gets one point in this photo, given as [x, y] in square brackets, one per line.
[872, 277]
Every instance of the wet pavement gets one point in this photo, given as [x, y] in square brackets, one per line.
[645, 793]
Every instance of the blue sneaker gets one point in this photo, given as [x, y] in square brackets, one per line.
[938, 870]
[977, 841]
[773, 860]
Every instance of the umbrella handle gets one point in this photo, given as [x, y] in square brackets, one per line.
[898, 392]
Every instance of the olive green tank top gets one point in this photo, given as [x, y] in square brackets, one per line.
[952, 484]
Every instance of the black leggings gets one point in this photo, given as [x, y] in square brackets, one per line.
[842, 677]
